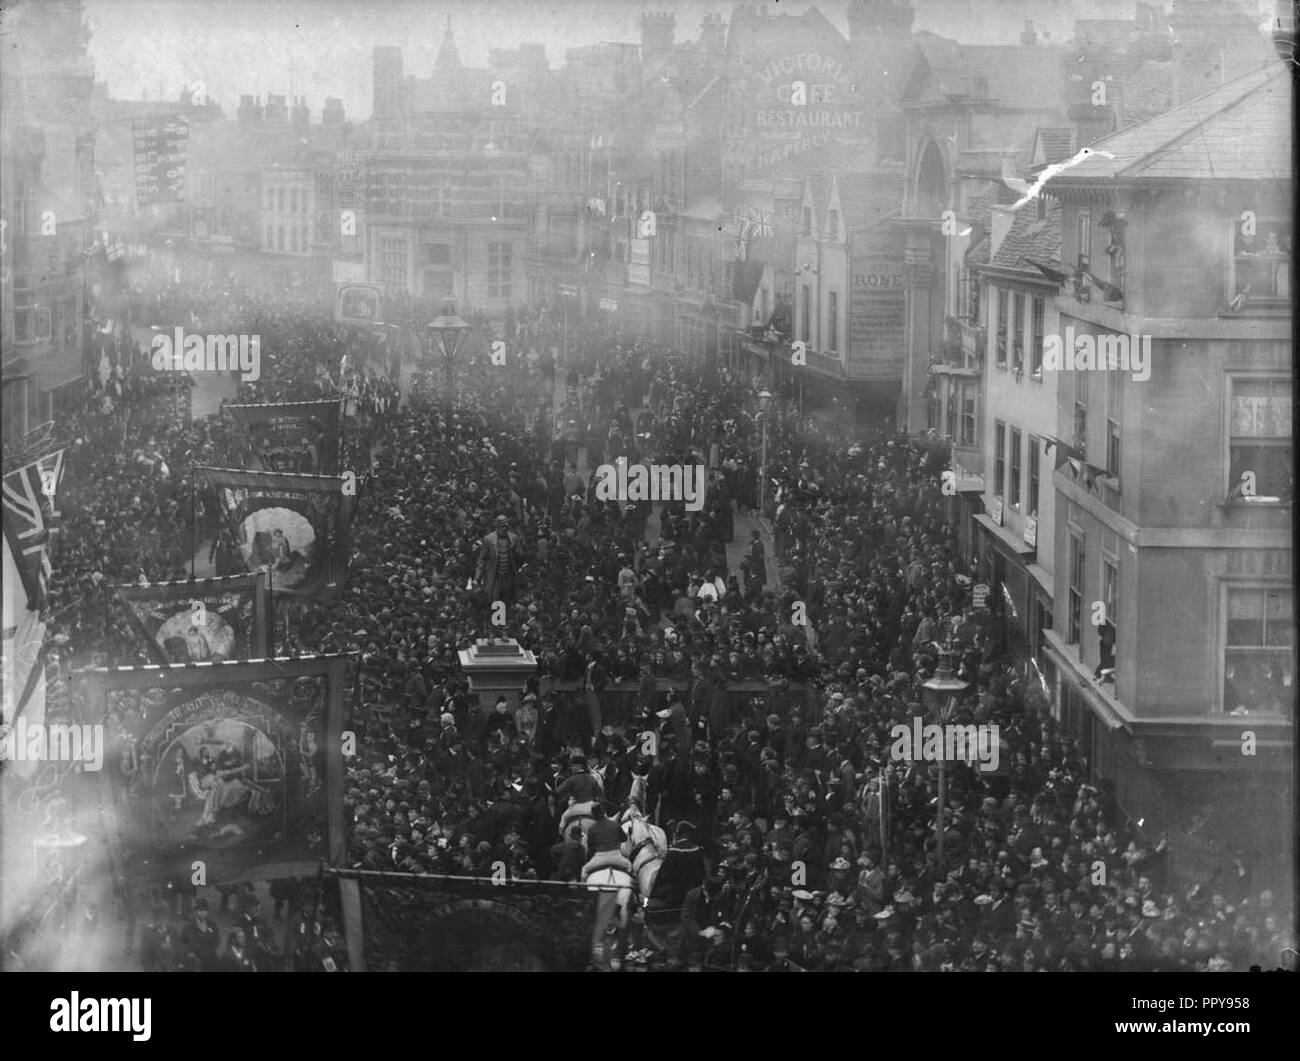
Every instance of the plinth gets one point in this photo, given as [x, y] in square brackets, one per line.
[496, 667]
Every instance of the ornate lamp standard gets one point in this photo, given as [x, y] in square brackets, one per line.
[448, 330]
[942, 691]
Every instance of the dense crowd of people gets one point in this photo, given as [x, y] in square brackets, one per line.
[767, 679]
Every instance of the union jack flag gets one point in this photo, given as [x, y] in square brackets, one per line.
[29, 494]
[758, 225]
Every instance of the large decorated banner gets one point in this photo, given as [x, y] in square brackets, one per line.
[359, 302]
[297, 527]
[291, 436]
[227, 765]
[206, 619]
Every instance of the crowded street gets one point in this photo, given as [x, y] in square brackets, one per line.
[445, 622]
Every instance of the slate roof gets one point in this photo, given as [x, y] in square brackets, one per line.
[1148, 91]
[978, 208]
[1057, 144]
[1012, 73]
[1031, 238]
[1239, 131]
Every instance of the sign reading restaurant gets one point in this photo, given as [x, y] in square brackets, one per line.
[800, 102]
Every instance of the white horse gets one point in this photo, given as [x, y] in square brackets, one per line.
[577, 814]
[615, 900]
[645, 847]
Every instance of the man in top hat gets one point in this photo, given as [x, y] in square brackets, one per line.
[499, 559]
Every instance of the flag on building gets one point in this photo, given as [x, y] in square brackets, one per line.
[29, 490]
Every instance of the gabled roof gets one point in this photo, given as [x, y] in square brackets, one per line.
[1013, 74]
[820, 185]
[1052, 144]
[1031, 238]
[448, 56]
[1239, 131]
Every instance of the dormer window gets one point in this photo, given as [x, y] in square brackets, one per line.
[1261, 259]
[833, 225]
[807, 221]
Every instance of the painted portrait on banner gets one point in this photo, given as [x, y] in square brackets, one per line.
[205, 620]
[296, 527]
[280, 540]
[228, 772]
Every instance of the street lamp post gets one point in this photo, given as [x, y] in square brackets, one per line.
[449, 330]
[764, 406]
[942, 692]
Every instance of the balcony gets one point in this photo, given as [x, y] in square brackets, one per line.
[974, 342]
[968, 464]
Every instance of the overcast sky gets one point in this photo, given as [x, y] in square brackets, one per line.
[324, 46]
[248, 46]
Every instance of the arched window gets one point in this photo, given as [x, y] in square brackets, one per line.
[931, 183]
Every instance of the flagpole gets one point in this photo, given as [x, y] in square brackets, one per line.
[270, 614]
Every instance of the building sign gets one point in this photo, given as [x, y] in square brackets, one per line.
[795, 103]
[877, 305]
[349, 177]
[638, 267]
[162, 147]
[995, 510]
[348, 272]
[980, 595]
[1031, 532]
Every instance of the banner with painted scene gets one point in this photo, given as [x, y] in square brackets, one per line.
[290, 436]
[359, 302]
[297, 527]
[206, 619]
[226, 765]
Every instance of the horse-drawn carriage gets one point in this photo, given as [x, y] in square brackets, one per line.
[625, 883]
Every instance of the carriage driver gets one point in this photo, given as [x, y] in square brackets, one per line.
[604, 840]
[583, 790]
